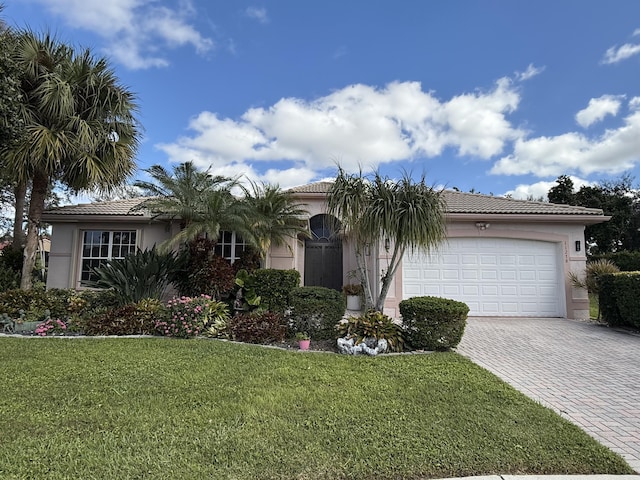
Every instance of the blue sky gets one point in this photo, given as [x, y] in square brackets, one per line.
[497, 96]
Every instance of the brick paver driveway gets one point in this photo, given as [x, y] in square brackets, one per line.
[588, 373]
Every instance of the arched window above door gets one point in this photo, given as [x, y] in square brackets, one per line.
[324, 228]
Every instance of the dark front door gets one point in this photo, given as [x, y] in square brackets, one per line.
[323, 264]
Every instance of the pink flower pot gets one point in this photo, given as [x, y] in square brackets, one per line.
[304, 344]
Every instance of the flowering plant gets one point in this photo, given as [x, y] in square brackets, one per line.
[189, 316]
[51, 326]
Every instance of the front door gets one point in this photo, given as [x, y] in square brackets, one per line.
[323, 254]
[323, 264]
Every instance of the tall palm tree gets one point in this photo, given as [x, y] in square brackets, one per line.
[202, 202]
[275, 216]
[403, 214]
[80, 127]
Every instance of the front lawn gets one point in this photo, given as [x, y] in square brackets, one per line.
[164, 408]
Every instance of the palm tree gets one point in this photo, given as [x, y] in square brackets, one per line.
[276, 216]
[202, 202]
[80, 127]
[403, 214]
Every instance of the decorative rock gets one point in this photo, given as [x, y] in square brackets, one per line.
[369, 346]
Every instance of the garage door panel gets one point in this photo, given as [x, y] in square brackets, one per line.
[489, 275]
[527, 275]
[470, 274]
[450, 274]
[506, 275]
[546, 275]
[493, 276]
[469, 259]
[470, 290]
[490, 290]
[508, 260]
[488, 260]
[509, 291]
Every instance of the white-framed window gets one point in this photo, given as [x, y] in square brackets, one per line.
[99, 246]
[230, 246]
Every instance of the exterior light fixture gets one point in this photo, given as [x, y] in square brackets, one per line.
[578, 246]
[387, 244]
[482, 225]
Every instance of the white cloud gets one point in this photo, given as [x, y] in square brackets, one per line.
[256, 13]
[541, 189]
[618, 54]
[135, 30]
[613, 152]
[530, 72]
[599, 108]
[357, 125]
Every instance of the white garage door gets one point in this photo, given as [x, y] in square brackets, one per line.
[494, 276]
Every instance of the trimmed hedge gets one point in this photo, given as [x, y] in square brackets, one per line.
[274, 287]
[620, 298]
[316, 310]
[433, 323]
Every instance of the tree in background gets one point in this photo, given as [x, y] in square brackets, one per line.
[404, 214]
[619, 199]
[562, 192]
[80, 127]
[12, 193]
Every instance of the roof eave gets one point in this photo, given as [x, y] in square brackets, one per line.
[89, 218]
[528, 218]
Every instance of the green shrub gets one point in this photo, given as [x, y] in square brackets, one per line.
[12, 258]
[13, 301]
[620, 298]
[373, 324]
[249, 260]
[433, 323]
[145, 274]
[132, 319]
[594, 269]
[274, 287]
[99, 300]
[201, 272]
[625, 261]
[9, 279]
[190, 316]
[316, 310]
[259, 326]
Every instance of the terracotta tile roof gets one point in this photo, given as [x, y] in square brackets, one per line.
[457, 203]
[114, 207]
[460, 202]
[317, 187]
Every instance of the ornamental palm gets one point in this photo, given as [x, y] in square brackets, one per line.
[202, 202]
[406, 213]
[275, 216]
[80, 127]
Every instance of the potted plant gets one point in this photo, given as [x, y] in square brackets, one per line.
[303, 340]
[353, 292]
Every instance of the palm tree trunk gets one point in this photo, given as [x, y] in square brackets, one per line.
[39, 189]
[394, 263]
[361, 265]
[20, 194]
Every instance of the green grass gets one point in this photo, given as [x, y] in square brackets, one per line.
[593, 306]
[162, 408]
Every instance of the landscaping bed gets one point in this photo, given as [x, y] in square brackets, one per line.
[172, 408]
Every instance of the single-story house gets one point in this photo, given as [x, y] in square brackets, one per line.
[503, 257]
